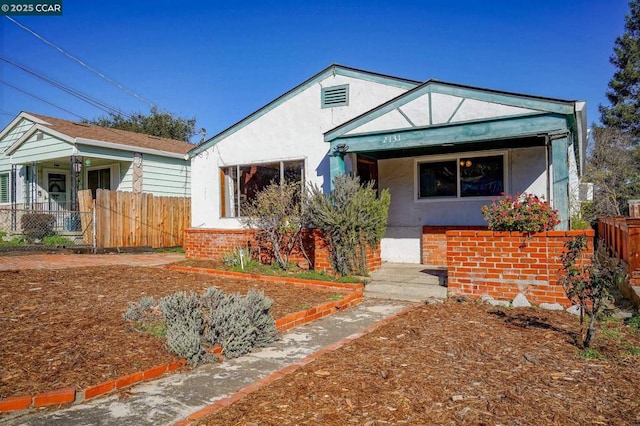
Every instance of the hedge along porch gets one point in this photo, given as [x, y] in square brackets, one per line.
[444, 150]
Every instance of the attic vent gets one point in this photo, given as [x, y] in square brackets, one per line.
[335, 96]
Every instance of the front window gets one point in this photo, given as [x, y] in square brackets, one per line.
[4, 187]
[98, 179]
[240, 184]
[461, 177]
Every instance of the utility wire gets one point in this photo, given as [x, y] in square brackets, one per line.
[112, 130]
[70, 56]
[39, 98]
[67, 89]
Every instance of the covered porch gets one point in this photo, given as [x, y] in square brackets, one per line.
[445, 150]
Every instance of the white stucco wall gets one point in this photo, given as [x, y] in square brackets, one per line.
[525, 173]
[292, 130]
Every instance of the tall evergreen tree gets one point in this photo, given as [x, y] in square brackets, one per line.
[624, 87]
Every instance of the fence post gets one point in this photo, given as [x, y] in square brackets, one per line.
[94, 229]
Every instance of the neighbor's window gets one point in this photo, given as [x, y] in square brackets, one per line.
[462, 177]
[4, 187]
[240, 184]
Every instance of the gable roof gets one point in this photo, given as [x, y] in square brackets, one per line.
[86, 133]
[334, 69]
[529, 104]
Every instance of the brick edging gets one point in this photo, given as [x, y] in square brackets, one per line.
[265, 381]
[71, 395]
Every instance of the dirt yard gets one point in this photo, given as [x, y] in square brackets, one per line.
[460, 363]
[65, 328]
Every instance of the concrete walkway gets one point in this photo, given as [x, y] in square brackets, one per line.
[170, 399]
[10, 262]
[407, 281]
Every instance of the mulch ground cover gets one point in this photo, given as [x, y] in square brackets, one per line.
[460, 363]
[65, 328]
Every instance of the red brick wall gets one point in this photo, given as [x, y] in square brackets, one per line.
[213, 244]
[503, 264]
[434, 243]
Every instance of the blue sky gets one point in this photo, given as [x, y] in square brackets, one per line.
[220, 61]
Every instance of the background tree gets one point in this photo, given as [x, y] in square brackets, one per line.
[624, 87]
[156, 123]
[613, 166]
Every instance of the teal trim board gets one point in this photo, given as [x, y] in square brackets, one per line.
[474, 132]
[560, 167]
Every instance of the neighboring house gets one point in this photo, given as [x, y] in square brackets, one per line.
[44, 161]
[443, 150]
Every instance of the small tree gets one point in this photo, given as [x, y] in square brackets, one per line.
[586, 283]
[277, 216]
[351, 217]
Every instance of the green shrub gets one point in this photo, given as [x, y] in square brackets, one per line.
[240, 258]
[351, 217]
[36, 226]
[142, 309]
[193, 324]
[523, 213]
[184, 322]
[579, 223]
[258, 308]
[57, 240]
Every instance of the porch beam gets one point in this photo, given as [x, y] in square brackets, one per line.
[560, 172]
[457, 133]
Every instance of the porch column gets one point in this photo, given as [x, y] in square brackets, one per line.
[560, 167]
[336, 167]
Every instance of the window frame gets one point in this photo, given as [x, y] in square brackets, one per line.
[222, 173]
[7, 176]
[457, 157]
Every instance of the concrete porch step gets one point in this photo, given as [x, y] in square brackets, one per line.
[411, 282]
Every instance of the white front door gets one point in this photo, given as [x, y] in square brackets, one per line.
[56, 183]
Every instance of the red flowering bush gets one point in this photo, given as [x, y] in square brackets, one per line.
[523, 213]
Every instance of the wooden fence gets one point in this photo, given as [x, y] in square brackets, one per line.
[125, 219]
[622, 236]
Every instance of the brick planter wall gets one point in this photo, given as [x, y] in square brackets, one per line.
[213, 244]
[503, 264]
[434, 243]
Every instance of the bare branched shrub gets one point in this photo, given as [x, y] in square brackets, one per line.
[277, 215]
[588, 284]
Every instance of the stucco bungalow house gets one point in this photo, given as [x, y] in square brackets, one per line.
[442, 149]
[44, 161]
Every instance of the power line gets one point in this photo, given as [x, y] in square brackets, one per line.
[67, 89]
[70, 56]
[112, 130]
[40, 99]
